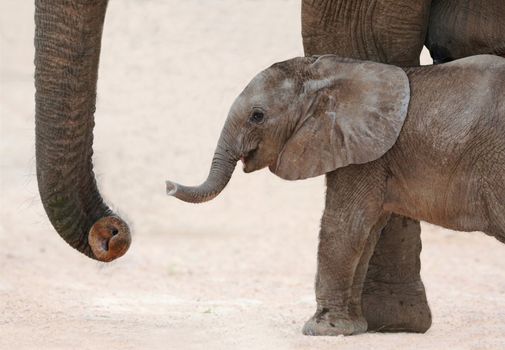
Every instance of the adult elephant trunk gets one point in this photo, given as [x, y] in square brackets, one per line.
[222, 167]
[67, 48]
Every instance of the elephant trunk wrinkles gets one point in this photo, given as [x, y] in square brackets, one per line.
[221, 170]
[67, 48]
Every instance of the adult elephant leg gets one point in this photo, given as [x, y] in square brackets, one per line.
[390, 32]
[394, 299]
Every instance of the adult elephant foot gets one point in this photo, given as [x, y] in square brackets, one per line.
[394, 299]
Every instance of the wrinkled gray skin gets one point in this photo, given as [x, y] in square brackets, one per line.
[385, 138]
[394, 31]
[461, 28]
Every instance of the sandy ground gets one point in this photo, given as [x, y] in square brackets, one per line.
[236, 273]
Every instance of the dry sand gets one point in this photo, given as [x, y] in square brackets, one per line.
[235, 273]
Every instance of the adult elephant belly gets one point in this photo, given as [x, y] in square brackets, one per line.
[461, 28]
[378, 30]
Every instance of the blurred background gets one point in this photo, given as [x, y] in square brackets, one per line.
[234, 273]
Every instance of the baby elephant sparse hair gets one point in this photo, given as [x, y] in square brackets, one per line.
[425, 143]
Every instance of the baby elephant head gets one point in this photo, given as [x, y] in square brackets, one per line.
[305, 117]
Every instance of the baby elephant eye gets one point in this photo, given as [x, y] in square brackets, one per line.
[257, 117]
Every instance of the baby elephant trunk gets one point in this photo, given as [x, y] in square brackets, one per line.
[223, 165]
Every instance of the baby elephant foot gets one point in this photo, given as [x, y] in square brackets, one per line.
[328, 322]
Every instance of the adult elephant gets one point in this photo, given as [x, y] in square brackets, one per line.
[394, 32]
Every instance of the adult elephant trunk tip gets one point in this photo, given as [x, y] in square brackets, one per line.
[109, 238]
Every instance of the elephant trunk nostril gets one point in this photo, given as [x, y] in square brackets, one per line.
[105, 245]
[109, 238]
[171, 188]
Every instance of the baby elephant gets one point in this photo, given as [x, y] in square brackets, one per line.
[426, 143]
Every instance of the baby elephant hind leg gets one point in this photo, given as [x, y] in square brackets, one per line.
[491, 166]
[394, 299]
[355, 307]
[495, 208]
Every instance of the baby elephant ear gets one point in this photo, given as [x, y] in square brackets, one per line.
[352, 113]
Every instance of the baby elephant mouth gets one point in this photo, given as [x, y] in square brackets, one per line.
[246, 159]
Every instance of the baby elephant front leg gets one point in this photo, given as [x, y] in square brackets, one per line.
[337, 263]
[353, 210]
